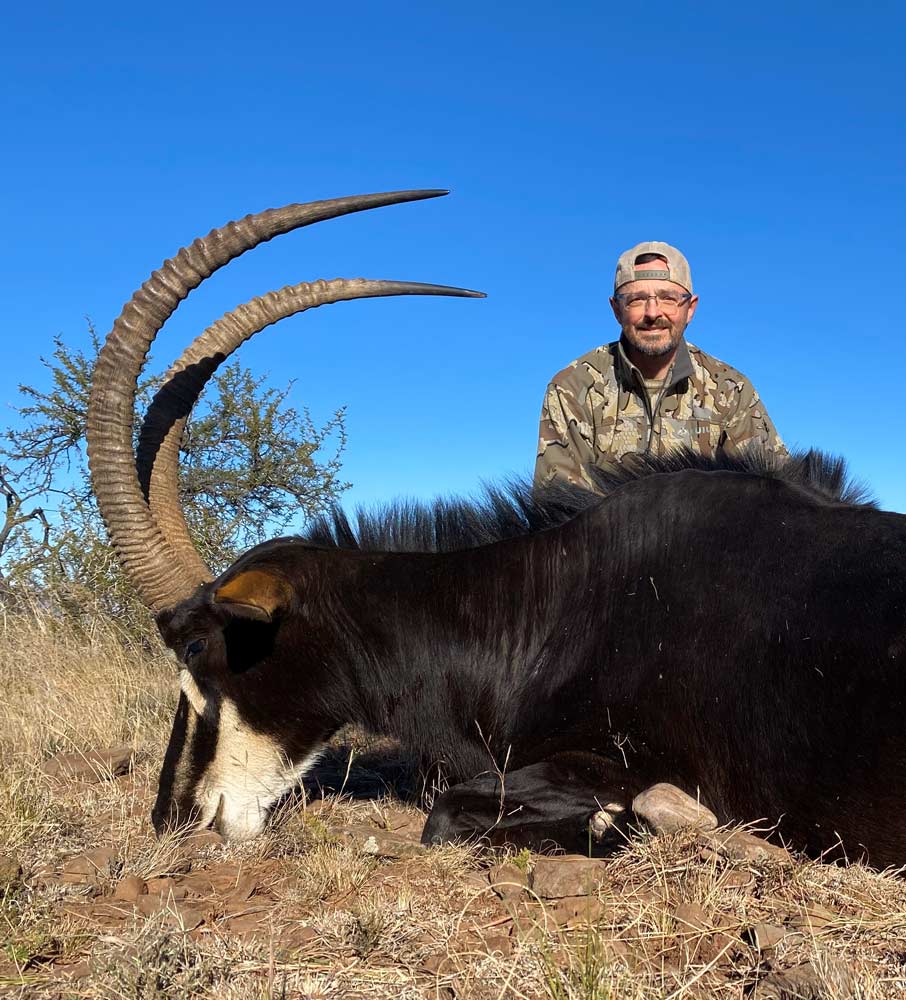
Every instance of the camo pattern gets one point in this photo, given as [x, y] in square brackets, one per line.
[598, 410]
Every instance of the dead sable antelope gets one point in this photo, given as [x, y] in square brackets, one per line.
[735, 630]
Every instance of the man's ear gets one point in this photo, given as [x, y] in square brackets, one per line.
[693, 304]
[256, 594]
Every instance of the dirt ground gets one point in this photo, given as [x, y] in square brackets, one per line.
[338, 899]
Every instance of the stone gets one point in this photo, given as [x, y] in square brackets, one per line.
[568, 875]
[88, 868]
[130, 888]
[166, 888]
[765, 936]
[508, 881]
[666, 809]
[735, 879]
[92, 765]
[738, 845]
[801, 982]
[248, 924]
[70, 973]
[475, 880]
[300, 937]
[498, 944]
[245, 889]
[573, 911]
[814, 916]
[201, 839]
[691, 915]
[148, 905]
[437, 964]
[10, 875]
[704, 936]
[183, 917]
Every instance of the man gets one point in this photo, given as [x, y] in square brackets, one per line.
[649, 391]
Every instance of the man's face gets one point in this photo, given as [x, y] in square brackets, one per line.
[652, 325]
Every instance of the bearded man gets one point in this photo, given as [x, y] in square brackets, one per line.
[650, 391]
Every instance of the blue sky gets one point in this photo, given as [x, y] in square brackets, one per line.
[767, 143]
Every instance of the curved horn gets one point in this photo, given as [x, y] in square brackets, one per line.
[157, 458]
[161, 579]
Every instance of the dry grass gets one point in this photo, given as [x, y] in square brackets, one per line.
[335, 922]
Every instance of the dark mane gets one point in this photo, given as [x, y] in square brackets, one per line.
[515, 508]
[447, 524]
[824, 477]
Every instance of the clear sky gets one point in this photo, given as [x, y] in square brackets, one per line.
[767, 141]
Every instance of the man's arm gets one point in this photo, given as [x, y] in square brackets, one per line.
[751, 425]
[565, 442]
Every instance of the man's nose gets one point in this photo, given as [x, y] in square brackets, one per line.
[652, 307]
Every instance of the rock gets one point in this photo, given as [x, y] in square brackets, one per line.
[403, 824]
[801, 982]
[166, 888]
[475, 880]
[735, 879]
[691, 915]
[498, 944]
[814, 916]
[199, 884]
[765, 936]
[245, 889]
[86, 869]
[666, 809]
[574, 911]
[691, 924]
[201, 839]
[130, 888]
[437, 964]
[148, 905]
[704, 936]
[569, 875]
[93, 765]
[10, 875]
[508, 881]
[183, 917]
[739, 845]
[70, 973]
[248, 924]
[300, 937]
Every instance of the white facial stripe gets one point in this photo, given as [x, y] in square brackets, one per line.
[192, 691]
[250, 771]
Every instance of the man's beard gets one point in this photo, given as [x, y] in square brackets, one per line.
[645, 346]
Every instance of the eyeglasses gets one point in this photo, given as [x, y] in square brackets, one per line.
[667, 300]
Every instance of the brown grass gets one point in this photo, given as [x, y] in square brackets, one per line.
[426, 926]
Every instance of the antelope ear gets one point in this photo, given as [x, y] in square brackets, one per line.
[254, 594]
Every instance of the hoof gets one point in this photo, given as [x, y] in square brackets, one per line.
[603, 820]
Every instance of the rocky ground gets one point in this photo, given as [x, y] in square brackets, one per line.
[339, 899]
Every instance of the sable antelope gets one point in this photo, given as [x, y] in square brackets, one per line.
[728, 627]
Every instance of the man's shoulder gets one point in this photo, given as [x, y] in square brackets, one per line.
[594, 366]
[712, 369]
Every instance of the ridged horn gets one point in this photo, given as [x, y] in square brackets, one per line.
[159, 577]
[161, 434]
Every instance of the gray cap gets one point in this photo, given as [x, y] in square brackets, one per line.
[677, 266]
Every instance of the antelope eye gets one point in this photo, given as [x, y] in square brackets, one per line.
[195, 647]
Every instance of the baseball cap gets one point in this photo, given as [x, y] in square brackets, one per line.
[677, 267]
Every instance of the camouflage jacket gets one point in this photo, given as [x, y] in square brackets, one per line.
[598, 409]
